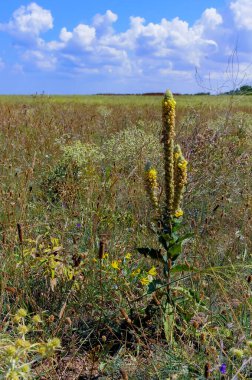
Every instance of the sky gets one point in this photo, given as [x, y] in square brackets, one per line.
[124, 46]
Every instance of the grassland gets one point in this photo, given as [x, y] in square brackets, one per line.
[73, 211]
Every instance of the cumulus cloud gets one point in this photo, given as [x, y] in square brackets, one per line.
[82, 37]
[140, 48]
[173, 39]
[42, 60]
[28, 22]
[242, 10]
[210, 19]
[103, 23]
[169, 48]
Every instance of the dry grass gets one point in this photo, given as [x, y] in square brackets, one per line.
[83, 197]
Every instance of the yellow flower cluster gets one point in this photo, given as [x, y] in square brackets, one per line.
[180, 180]
[152, 185]
[136, 272]
[168, 116]
[151, 273]
[178, 213]
[47, 349]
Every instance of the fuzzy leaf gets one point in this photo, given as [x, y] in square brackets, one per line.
[175, 250]
[153, 286]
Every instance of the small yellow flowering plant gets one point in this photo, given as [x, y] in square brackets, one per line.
[18, 353]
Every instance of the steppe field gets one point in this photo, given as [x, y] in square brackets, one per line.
[93, 284]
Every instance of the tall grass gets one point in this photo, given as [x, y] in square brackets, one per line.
[72, 175]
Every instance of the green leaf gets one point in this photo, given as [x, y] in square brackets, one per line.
[175, 250]
[186, 236]
[153, 286]
[163, 240]
[151, 252]
[181, 268]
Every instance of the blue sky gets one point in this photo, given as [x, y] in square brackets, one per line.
[124, 46]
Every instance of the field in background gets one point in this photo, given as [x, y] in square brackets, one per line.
[71, 175]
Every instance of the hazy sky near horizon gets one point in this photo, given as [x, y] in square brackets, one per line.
[124, 46]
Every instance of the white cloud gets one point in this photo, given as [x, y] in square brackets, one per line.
[146, 52]
[82, 36]
[65, 36]
[173, 39]
[103, 23]
[42, 60]
[242, 10]
[143, 48]
[28, 22]
[210, 18]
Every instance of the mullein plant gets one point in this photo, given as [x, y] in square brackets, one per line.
[168, 213]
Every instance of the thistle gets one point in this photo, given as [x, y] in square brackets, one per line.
[168, 134]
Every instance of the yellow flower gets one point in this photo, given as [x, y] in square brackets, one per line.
[22, 343]
[182, 164]
[36, 319]
[128, 256]
[180, 177]
[22, 329]
[42, 350]
[21, 313]
[115, 264]
[145, 281]
[105, 255]
[176, 155]
[10, 350]
[152, 185]
[25, 368]
[152, 174]
[54, 343]
[94, 260]
[153, 271]
[13, 375]
[178, 213]
[136, 272]
[16, 319]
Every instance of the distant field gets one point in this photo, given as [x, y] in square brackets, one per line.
[182, 100]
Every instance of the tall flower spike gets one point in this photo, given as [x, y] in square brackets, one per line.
[152, 185]
[180, 179]
[168, 116]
